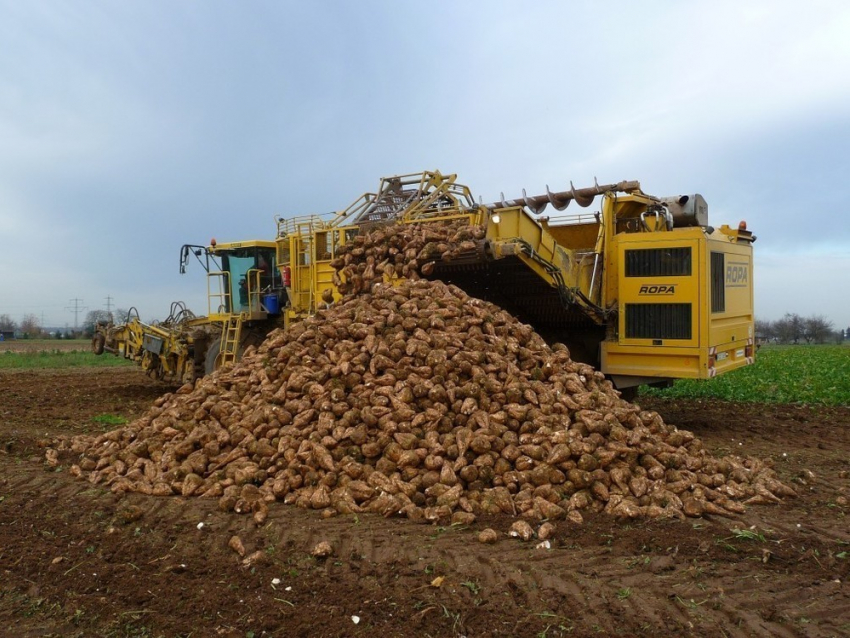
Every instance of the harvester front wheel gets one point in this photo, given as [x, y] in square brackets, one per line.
[629, 394]
[97, 343]
[213, 358]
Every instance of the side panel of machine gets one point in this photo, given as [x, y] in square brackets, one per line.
[729, 309]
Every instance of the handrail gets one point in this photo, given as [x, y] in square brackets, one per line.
[252, 280]
[293, 225]
[406, 197]
[224, 295]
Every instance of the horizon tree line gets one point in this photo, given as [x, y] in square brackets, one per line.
[793, 328]
[30, 326]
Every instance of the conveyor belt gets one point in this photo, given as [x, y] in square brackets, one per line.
[511, 285]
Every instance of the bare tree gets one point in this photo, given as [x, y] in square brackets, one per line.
[92, 317]
[30, 326]
[765, 330]
[7, 324]
[817, 329]
[786, 329]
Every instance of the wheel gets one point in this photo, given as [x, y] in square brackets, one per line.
[97, 343]
[213, 356]
[152, 365]
[629, 394]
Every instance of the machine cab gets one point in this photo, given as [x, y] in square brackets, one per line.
[244, 279]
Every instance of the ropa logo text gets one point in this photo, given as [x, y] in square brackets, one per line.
[737, 274]
[661, 289]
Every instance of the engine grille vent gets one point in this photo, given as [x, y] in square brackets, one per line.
[658, 321]
[658, 262]
[718, 284]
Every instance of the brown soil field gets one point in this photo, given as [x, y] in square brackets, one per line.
[44, 345]
[77, 560]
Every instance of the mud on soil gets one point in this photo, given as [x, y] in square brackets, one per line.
[75, 560]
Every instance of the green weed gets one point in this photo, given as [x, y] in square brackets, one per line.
[748, 534]
[807, 374]
[109, 419]
[58, 359]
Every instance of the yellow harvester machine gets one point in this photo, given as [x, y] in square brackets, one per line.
[642, 288]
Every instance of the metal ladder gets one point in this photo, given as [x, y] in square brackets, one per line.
[230, 339]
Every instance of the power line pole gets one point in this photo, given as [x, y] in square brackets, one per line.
[109, 304]
[76, 309]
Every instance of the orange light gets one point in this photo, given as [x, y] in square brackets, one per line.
[212, 241]
[742, 225]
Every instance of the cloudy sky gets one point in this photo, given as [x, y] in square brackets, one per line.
[130, 128]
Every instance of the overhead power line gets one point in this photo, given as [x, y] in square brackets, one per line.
[76, 308]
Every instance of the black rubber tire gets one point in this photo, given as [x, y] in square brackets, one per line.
[97, 343]
[213, 357]
[629, 394]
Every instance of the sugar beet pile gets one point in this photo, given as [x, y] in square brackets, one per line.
[420, 401]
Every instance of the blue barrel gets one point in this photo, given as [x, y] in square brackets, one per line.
[272, 304]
